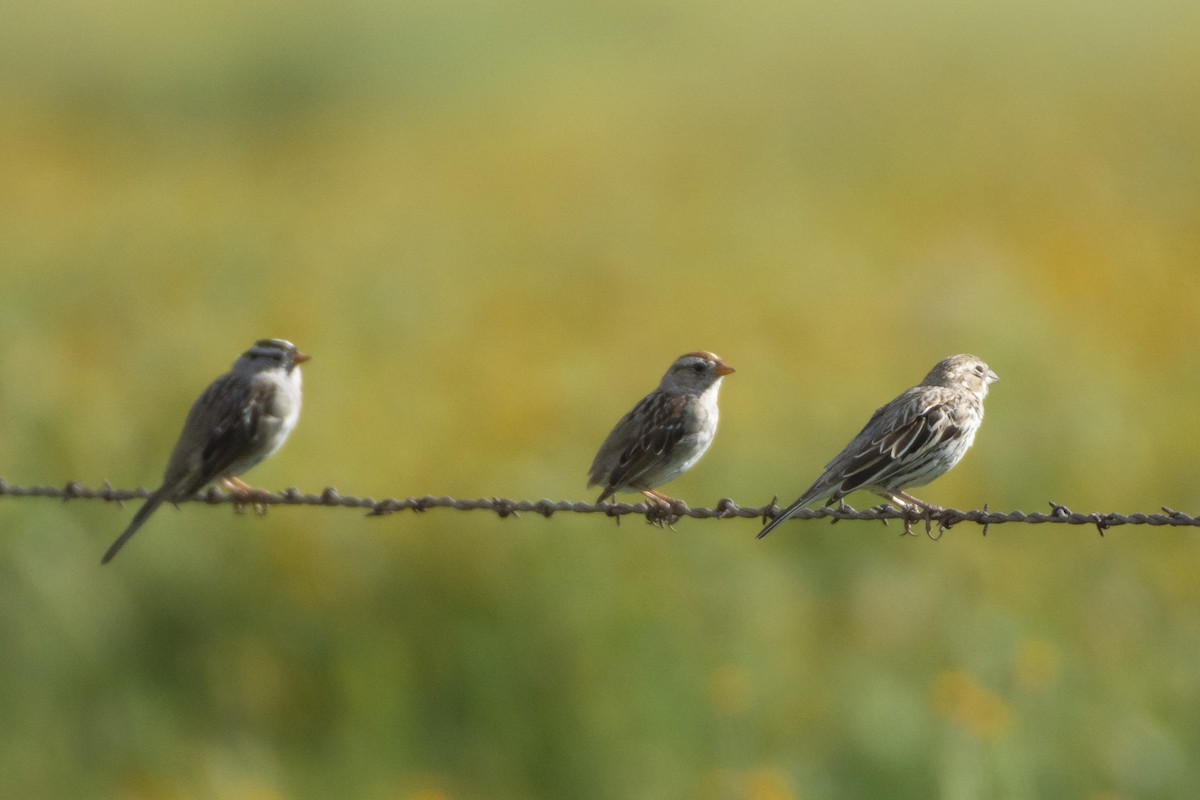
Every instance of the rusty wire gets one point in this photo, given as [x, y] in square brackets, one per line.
[933, 520]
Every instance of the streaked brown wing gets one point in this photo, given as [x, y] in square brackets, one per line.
[235, 433]
[894, 439]
[643, 453]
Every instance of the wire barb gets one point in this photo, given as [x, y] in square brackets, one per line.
[726, 508]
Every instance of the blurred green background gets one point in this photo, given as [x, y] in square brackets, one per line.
[494, 225]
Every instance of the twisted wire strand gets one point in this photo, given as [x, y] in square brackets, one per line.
[939, 519]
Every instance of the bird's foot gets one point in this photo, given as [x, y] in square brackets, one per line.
[662, 510]
[244, 495]
[919, 503]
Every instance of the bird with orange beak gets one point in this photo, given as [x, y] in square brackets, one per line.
[665, 434]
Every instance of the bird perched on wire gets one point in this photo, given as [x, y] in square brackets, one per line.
[243, 417]
[665, 434]
[910, 441]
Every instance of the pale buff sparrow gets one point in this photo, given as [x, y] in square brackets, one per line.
[666, 433]
[241, 418]
[910, 441]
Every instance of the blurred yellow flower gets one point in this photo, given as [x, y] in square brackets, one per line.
[767, 784]
[961, 699]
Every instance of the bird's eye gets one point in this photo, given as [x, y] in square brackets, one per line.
[698, 367]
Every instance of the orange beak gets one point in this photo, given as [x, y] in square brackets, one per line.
[724, 369]
[300, 358]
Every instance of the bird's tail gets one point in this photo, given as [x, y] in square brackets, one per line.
[812, 494]
[143, 514]
[787, 512]
[609, 491]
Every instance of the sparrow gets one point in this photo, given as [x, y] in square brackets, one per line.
[243, 417]
[665, 434]
[909, 442]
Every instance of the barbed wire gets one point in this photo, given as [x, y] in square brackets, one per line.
[932, 519]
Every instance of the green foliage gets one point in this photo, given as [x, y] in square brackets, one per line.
[494, 226]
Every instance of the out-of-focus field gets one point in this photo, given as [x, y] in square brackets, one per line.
[494, 225]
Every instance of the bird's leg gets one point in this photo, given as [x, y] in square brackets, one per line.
[661, 508]
[244, 492]
[909, 503]
[658, 497]
[893, 498]
[930, 510]
[237, 485]
[918, 502]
